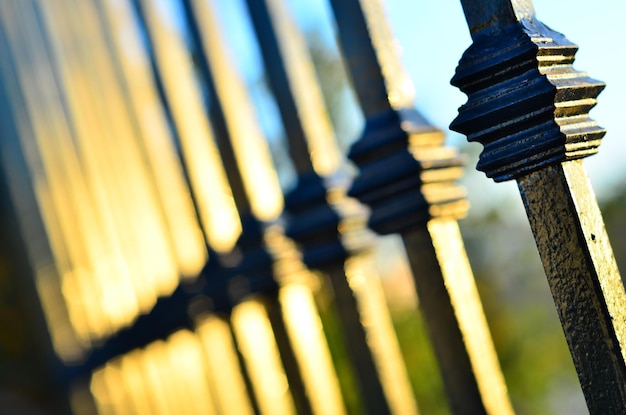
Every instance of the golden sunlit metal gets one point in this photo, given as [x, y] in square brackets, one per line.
[115, 259]
[66, 192]
[257, 345]
[399, 87]
[302, 109]
[63, 334]
[136, 213]
[245, 152]
[134, 382]
[130, 149]
[159, 387]
[208, 181]
[223, 366]
[189, 372]
[439, 255]
[309, 344]
[307, 93]
[381, 337]
[156, 140]
[103, 401]
[407, 177]
[251, 150]
[107, 385]
[120, 259]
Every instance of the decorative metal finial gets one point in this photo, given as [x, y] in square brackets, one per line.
[529, 107]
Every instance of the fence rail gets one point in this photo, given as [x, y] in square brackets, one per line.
[148, 226]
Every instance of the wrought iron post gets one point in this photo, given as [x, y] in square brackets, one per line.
[315, 223]
[83, 40]
[32, 370]
[247, 269]
[407, 178]
[260, 268]
[188, 304]
[530, 109]
[149, 115]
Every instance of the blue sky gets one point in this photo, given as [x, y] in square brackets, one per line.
[438, 30]
[433, 36]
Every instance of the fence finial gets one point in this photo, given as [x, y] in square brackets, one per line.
[407, 177]
[530, 109]
[526, 103]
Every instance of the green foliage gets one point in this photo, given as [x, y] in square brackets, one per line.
[614, 213]
[421, 363]
[338, 350]
[524, 324]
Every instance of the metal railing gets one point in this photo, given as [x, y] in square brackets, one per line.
[176, 276]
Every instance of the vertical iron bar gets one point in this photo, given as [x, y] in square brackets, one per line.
[183, 102]
[119, 275]
[132, 63]
[291, 76]
[228, 380]
[67, 207]
[76, 43]
[407, 178]
[253, 273]
[175, 87]
[535, 126]
[28, 360]
[221, 357]
[314, 222]
[85, 65]
[19, 137]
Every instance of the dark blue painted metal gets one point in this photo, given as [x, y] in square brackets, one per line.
[390, 180]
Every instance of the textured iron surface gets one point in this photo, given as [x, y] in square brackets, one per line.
[406, 174]
[583, 277]
[530, 110]
[526, 103]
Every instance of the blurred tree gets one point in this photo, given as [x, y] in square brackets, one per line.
[614, 212]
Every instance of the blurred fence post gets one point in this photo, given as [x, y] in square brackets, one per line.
[140, 203]
[247, 270]
[407, 178]
[29, 368]
[530, 109]
[320, 218]
[253, 178]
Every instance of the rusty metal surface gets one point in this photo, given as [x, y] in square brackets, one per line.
[530, 110]
[583, 277]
